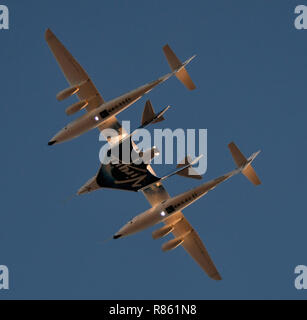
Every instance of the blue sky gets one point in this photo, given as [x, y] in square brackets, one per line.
[251, 88]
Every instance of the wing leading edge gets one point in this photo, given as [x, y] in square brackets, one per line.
[73, 72]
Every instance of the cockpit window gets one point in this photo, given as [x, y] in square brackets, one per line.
[170, 209]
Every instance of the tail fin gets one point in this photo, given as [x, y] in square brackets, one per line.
[244, 164]
[178, 67]
[149, 115]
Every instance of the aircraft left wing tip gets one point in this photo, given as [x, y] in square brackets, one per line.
[216, 277]
[48, 34]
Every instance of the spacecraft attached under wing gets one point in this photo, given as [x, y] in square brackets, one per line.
[132, 173]
[102, 115]
[133, 176]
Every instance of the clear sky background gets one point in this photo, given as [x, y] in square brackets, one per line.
[250, 73]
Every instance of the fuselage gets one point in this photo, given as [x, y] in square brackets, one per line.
[164, 210]
[101, 114]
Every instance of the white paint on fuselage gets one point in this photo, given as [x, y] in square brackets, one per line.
[170, 206]
[109, 109]
[153, 216]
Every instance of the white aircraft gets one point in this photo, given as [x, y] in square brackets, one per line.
[155, 193]
[169, 212]
[100, 113]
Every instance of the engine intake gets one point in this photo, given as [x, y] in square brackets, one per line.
[172, 244]
[76, 107]
[162, 232]
[64, 94]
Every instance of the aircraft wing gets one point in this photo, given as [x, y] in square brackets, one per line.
[193, 245]
[73, 72]
[156, 193]
[192, 242]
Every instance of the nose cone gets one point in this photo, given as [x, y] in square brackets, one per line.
[61, 136]
[51, 142]
[117, 236]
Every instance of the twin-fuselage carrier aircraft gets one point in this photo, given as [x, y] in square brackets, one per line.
[140, 176]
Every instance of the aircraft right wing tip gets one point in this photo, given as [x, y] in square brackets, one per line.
[165, 46]
[48, 34]
[216, 276]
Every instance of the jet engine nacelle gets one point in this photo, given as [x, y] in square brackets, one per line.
[148, 155]
[172, 244]
[76, 107]
[162, 232]
[64, 94]
[69, 91]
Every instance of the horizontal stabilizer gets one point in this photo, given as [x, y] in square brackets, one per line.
[185, 169]
[183, 76]
[172, 59]
[179, 68]
[237, 155]
[244, 164]
[159, 119]
[251, 175]
[189, 171]
[186, 161]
